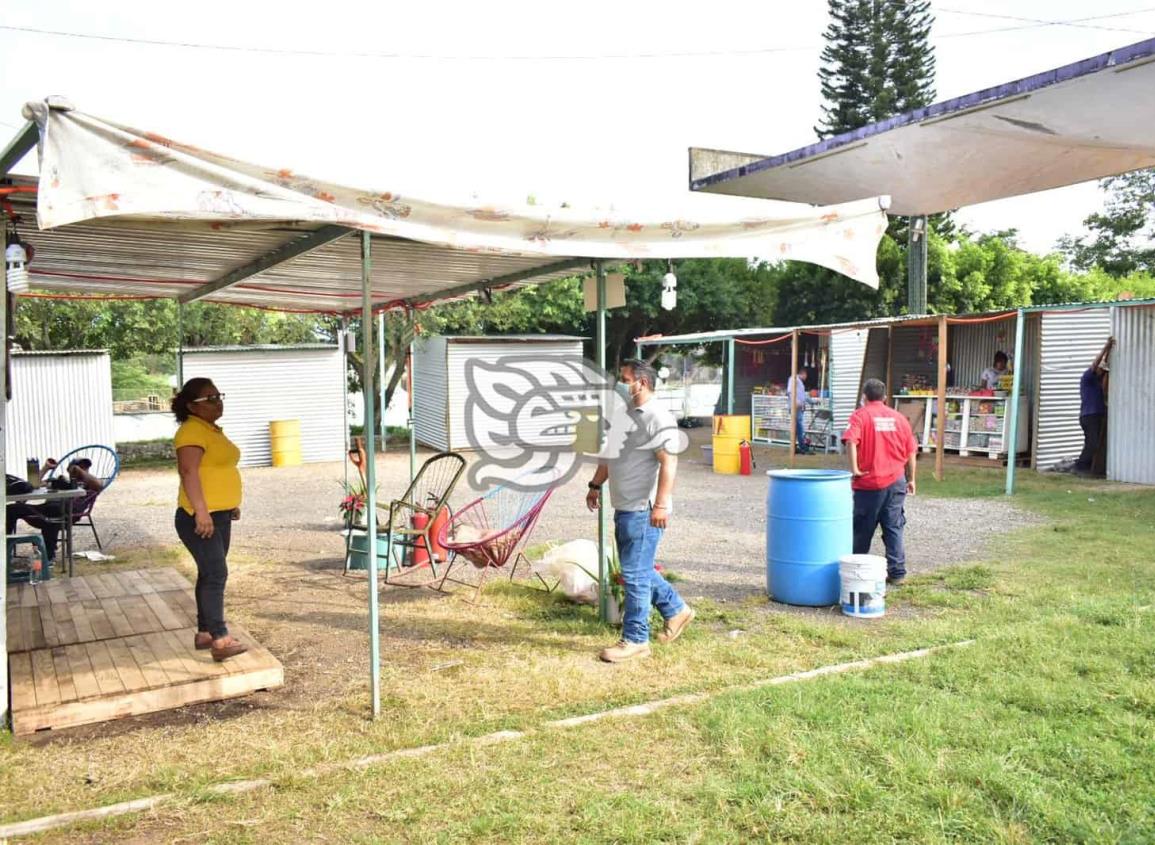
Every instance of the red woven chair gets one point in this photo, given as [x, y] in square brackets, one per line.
[493, 530]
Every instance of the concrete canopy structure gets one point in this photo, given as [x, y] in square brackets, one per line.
[1083, 121]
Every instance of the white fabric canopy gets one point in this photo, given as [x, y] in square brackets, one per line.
[95, 170]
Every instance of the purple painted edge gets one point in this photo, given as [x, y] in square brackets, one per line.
[1085, 67]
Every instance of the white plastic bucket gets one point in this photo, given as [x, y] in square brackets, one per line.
[863, 585]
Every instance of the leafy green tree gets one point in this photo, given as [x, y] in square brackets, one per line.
[1122, 239]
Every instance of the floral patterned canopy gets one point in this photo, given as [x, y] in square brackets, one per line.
[95, 174]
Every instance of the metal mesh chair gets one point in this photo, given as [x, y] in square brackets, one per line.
[492, 530]
[415, 516]
[105, 466]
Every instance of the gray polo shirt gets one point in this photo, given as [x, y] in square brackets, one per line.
[634, 474]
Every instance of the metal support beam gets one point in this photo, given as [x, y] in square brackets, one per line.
[940, 402]
[603, 515]
[793, 392]
[4, 468]
[412, 425]
[344, 329]
[731, 364]
[381, 376]
[285, 252]
[1016, 391]
[370, 473]
[18, 147]
[916, 238]
[179, 345]
[501, 281]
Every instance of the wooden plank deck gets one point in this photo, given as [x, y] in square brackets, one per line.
[99, 647]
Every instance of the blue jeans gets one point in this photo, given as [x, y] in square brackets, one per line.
[799, 430]
[637, 545]
[885, 507]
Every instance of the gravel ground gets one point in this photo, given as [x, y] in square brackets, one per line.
[716, 541]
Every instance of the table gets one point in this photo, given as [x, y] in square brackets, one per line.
[43, 494]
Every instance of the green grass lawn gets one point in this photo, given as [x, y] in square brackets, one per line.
[1042, 731]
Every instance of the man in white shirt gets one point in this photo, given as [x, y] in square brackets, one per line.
[642, 494]
[990, 377]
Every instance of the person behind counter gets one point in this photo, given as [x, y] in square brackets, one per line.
[989, 380]
[797, 387]
[1093, 407]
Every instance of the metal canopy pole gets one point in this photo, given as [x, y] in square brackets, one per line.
[179, 345]
[917, 233]
[412, 427]
[342, 339]
[940, 400]
[381, 375]
[4, 468]
[1016, 388]
[793, 394]
[603, 527]
[370, 472]
[730, 353]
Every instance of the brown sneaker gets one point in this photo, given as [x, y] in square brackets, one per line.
[625, 651]
[231, 648]
[202, 640]
[676, 624]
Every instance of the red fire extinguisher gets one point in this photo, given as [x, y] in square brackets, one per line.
[420, 551]
[745, 458]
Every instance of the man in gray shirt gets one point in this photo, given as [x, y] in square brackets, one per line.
[641, 492]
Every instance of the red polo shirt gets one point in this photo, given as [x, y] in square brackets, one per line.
[885, 443]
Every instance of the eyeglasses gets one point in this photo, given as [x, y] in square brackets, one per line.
[212, 397]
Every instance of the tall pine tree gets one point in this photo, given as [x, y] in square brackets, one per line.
[877, 62]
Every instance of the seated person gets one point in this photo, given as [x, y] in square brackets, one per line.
[49, 517]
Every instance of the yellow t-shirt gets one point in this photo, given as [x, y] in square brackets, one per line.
[220, 480]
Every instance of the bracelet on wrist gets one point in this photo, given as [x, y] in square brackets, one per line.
[593, 486]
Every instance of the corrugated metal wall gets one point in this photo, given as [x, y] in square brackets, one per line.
[262, 385]
[847, 351]
[459, 353]
[431, 392]
[1130, 428]
[60, 401]
[1068, 344]
[874, 358]
[971, 348]
[913, 353]
[759, 366]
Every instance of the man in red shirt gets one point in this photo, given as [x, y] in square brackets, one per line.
[883, 455]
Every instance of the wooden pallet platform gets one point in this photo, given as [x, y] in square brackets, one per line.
[99, 647]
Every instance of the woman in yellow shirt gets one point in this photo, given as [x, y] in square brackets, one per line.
[208, 503]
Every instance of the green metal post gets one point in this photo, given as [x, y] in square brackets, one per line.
[179, 345]
[381, 376]
[1016, 388]
[916, 258]
[412, 427]
[730, 363]
[345, 392]
[370, 473]
[603, 515]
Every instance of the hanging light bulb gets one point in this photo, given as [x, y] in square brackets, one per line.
[670, 289]
[16, 262]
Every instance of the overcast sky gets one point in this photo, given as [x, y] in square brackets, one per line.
[594, 103]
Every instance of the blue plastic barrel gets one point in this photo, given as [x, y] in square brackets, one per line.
[809, 528]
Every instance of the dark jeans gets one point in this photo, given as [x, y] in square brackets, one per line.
[885, 507]
[212, 568]
[799, 430]
[47, 517]
[1094, 426]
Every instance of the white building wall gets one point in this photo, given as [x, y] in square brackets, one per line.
[60, 401]
[262, 384]
[430, 392]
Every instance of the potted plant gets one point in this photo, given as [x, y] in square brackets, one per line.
[352, 511]
[616, 599]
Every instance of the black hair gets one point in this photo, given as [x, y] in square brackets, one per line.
[642, 371]
[874, 390]
[1000, 356]
[190, 391]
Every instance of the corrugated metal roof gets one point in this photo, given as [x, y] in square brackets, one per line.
[110, 258]
[511, 338]
[19, 353]
[268, 347]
